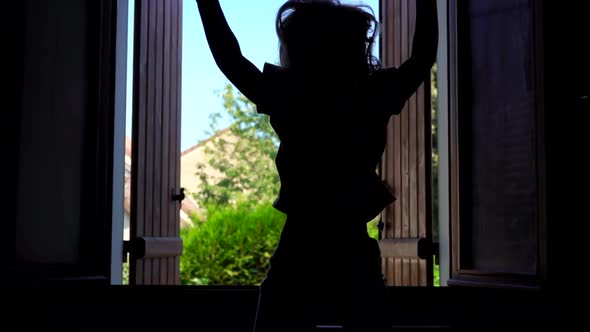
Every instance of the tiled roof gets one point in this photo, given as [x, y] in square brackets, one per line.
[205, 141]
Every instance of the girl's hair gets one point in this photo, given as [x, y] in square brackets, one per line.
[310, 30]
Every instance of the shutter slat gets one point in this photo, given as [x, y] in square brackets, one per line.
[158, 127]
[155, 216]
[166, 190]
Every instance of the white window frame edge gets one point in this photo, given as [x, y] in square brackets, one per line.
[119, 143]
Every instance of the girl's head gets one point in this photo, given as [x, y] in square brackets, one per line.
[326, 35]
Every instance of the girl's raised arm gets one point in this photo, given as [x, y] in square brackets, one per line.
[417, 68]
[226, 51]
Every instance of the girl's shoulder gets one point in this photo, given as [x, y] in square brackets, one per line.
[384, 75]
[273, 70]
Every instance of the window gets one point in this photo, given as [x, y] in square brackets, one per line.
[496, 154]
[151, 20]
[407, 234]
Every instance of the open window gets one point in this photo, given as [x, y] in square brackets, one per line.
[496, 143]
[155, 245]
[479, 100]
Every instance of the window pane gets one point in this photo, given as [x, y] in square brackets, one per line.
[503, 151]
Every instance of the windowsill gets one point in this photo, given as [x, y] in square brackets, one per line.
[233, 308]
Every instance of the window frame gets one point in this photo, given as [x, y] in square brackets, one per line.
[459, 156]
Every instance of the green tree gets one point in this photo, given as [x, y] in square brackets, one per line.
[244, 156]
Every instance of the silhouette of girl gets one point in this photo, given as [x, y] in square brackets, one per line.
[329, 103]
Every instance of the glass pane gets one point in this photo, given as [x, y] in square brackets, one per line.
[503, 138]
[53, 143]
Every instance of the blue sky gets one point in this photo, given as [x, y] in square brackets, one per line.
[252, 24]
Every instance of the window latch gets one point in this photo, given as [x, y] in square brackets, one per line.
[180, 196]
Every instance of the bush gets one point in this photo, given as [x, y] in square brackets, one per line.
[373, 228]
[232, 247]
[436, 275]
[125, 272]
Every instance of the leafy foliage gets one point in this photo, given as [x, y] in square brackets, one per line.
[243, 155]
[233, 242]
[435, 161]
[232, 247]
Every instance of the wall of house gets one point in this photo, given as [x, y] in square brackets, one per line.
[192, 157]
[52, 140]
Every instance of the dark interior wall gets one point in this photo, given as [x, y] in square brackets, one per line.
[567, 80]
[10, 125]
[53, 118]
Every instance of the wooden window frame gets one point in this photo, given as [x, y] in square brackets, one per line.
[459, 147]
[453, 104]
[94, 263]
